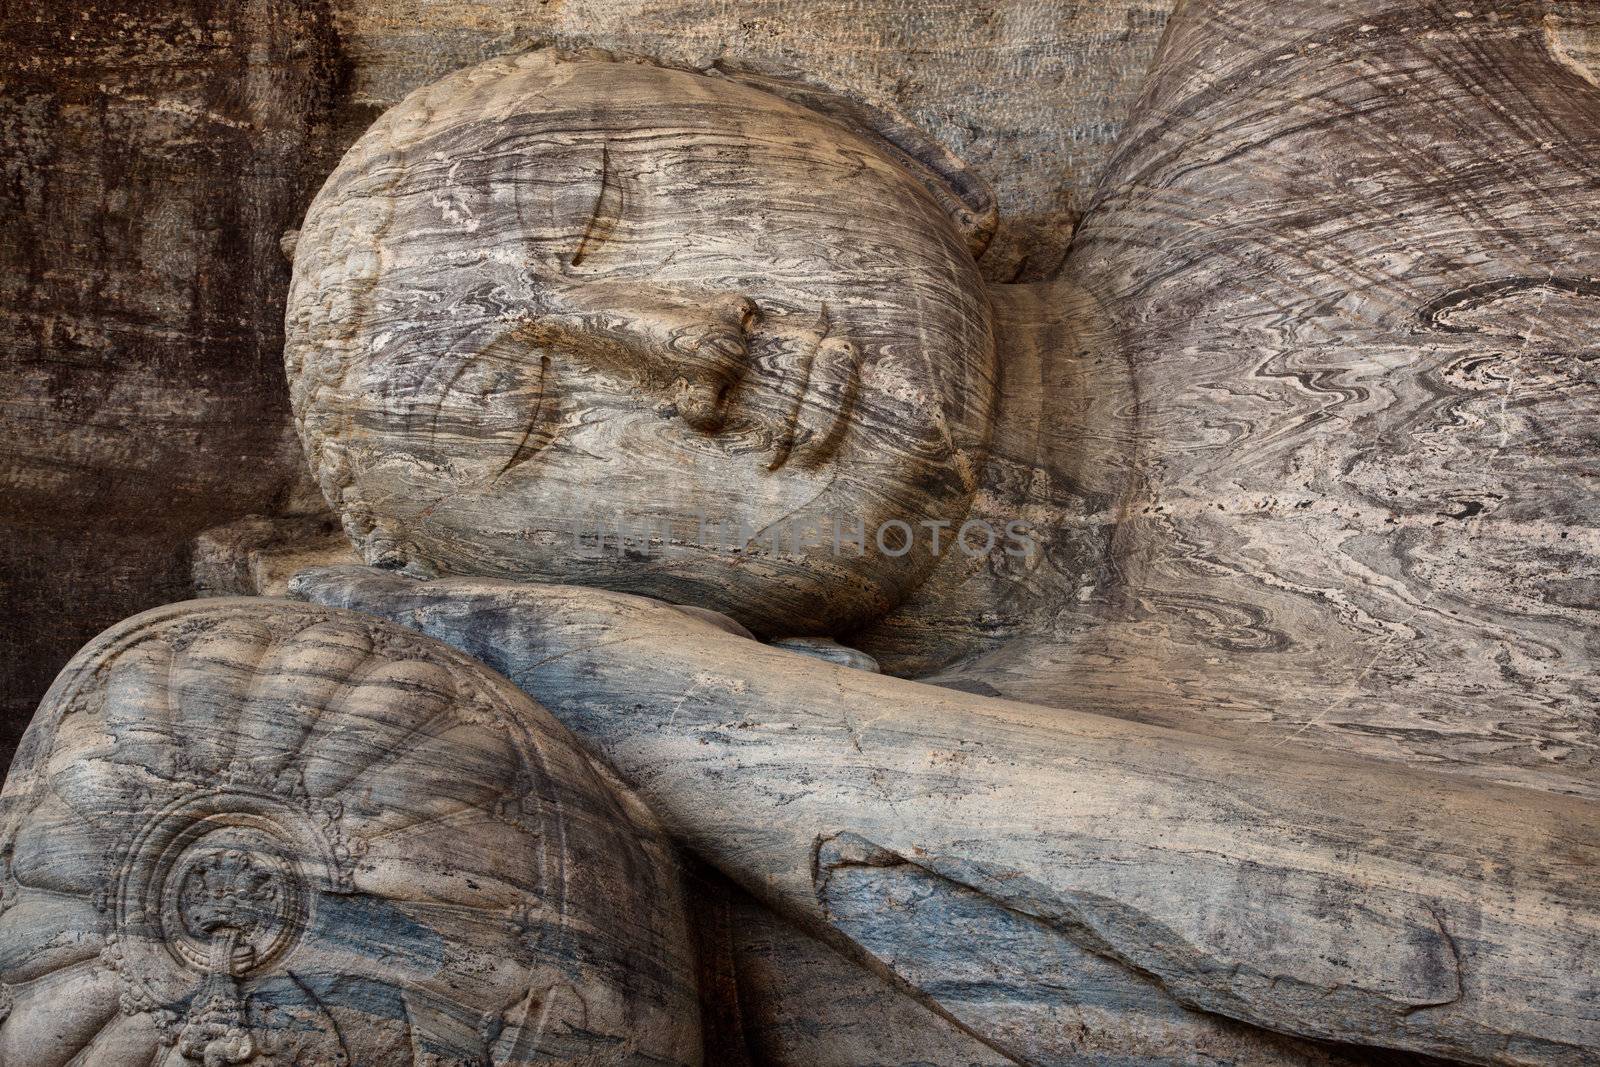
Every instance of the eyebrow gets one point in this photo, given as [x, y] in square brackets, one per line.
[607, 210]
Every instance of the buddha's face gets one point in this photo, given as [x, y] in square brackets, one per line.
[548, 298]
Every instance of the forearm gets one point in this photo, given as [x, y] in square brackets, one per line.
[1332, 898]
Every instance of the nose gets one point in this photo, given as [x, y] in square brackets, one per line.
[715, 355]
[690, 349]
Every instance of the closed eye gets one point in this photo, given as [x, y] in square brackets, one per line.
[605, 214]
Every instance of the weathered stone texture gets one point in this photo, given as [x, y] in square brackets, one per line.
[1030, 93]
[552, 295]
[1306, 893]
[255, 831]
[1339, 469]
[152, 154]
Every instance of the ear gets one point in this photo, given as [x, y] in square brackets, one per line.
[965, 197]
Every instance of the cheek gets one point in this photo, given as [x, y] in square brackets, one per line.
[492, 413]
[901, 408]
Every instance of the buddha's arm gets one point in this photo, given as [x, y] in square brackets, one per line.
[1302, 892]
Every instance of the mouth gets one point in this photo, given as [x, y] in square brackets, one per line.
[817, 415]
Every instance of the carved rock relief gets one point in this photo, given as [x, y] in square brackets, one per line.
[554, 293]
[1299, 892]
[255, 832]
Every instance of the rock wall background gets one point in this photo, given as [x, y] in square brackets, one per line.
[154, 154]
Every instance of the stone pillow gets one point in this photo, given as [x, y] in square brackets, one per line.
[254, 831]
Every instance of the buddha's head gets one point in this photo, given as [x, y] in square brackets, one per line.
[552, 300]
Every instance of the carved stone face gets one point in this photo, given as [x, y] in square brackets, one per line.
[550, 298]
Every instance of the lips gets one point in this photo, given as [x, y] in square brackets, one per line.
[827, 379]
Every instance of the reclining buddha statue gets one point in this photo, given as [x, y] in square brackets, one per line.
[1220, 714]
